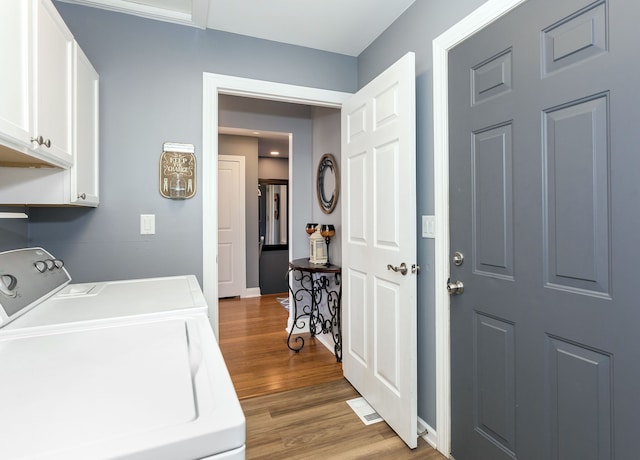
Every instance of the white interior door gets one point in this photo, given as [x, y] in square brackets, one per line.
[379, 230]
[231, 226]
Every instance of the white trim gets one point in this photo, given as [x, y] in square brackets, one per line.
[214, 84]
[427, 433]
[480, 18]
[251, 292]
[196, 18]
[13, 215]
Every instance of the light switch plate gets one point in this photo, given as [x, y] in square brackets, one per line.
[147, 224]
[428, 226]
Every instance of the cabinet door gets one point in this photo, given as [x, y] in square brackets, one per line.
[15, 71]
[54, 80]
[84, 172]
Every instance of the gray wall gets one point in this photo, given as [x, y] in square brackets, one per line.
[14, 233]
[326, 139]
[273, 168]
[150, 93]
[414, 31]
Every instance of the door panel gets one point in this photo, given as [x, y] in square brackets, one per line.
[231, 226]
[386, 178]
[379, 229]
[581, 421]
[493, 202]
[356, 336]
[494, 373]
[386, 334]
[544, 204]
[577, 196]
[577, 37]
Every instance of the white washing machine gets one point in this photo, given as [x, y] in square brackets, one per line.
[111, 370]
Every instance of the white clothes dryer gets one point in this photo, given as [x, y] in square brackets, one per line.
[113, 370]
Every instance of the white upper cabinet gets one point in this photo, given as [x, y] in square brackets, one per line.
[36, 83]
[48, 110]
[16, 77]
[84, 172]
[54, 84]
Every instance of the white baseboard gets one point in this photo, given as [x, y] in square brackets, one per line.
[251, 292]
[427, 433]
[324, 339]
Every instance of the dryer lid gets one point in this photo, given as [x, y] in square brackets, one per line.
[108, 386]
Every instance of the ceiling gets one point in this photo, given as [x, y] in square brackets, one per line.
[339, 26]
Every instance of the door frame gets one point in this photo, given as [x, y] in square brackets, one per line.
[213, 85]
[477, 20]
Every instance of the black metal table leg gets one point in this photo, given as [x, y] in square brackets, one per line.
[319, 291]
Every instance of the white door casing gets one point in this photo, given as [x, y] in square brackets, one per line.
[214, 84]
[379, 229]
[231, 226]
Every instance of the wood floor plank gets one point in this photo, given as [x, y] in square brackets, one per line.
[253, 341]
[295, 403]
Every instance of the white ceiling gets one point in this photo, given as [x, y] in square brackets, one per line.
[340, 26]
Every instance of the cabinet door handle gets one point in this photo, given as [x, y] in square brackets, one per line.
[82, 196]
[42, 141]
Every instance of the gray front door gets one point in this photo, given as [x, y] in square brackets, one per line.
[544, 115]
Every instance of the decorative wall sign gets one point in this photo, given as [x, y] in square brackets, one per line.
[328, 183]
[177, 171]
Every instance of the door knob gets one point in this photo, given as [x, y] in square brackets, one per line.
[455, 287]
[402, 268]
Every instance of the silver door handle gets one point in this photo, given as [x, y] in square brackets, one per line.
[455, 287]
[402, 268]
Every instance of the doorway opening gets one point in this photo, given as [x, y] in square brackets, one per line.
[266, 199]
[301, 195]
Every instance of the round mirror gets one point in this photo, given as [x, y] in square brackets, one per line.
[328, 183]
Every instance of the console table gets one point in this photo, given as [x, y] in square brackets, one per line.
[311, 286]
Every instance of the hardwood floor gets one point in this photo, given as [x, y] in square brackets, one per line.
[253, 341]
[295, 403]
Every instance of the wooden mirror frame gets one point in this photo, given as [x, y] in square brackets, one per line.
[327, 205]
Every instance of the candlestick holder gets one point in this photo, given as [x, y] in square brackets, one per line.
[328, 231]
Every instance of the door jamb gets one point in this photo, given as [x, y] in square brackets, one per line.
[213, 85]
[477, 20]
